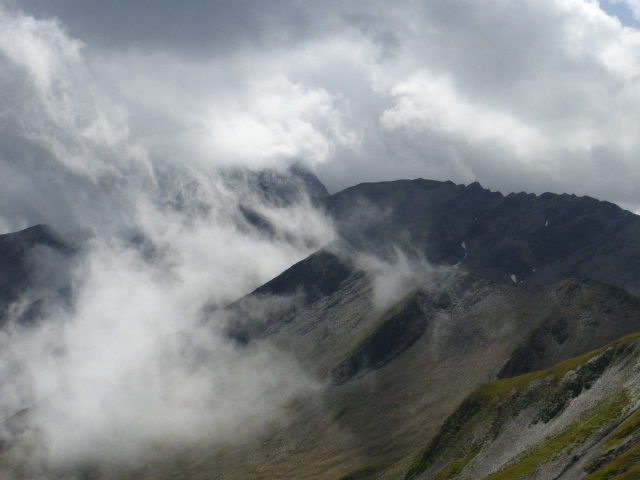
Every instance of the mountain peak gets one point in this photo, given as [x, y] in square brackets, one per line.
[534, 239]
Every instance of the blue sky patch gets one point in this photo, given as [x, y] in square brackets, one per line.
[620, 10]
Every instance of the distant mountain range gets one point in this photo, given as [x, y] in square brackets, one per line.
[458, 334]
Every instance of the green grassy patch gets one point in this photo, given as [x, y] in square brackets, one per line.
[620, 450]
[457, 465]
[629, 427]
[516, 385]
[480, 418]
[584, 427]
[625, 466]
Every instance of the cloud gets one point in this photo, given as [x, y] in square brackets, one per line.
[394, 278]
[285, 121]
[65, 144]
[512, 95]
[434, 104]
[130, 369]
[125, 368]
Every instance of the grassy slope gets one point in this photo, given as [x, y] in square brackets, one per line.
[544, 399]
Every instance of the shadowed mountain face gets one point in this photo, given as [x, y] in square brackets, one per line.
[518, 238]
[309, 280]
[521, 237]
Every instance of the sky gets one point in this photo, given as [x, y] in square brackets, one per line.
[110, 111]
[527, 95]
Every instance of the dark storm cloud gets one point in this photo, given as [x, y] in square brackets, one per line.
[191, 27]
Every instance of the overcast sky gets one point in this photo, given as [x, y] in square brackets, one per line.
[533, 95]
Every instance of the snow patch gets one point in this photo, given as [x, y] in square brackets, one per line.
[513, 277]
[546, 224]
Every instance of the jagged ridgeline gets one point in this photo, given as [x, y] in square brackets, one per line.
[521, 238]
[508, 347]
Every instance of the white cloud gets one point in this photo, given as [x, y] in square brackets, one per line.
[61, 107]
[39, 46]
[425, 102]
[511, 95]
[129, 363]
[283, 121]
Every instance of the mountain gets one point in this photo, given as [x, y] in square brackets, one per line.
[532, 239]
[273, 188]
[393, 377]
[543, 250]
[453, 332]
[31, 264]
[280, 187]
[519, 238]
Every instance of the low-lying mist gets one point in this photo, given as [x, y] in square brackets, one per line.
[128, 362]
[122, 365]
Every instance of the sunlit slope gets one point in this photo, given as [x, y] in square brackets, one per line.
[578, 419]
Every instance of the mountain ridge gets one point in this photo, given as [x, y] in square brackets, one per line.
[431, 292]
[536, 239]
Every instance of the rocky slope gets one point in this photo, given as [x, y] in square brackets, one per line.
[577, 420]
[391, 377]
[394, 376]
[453, 332]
